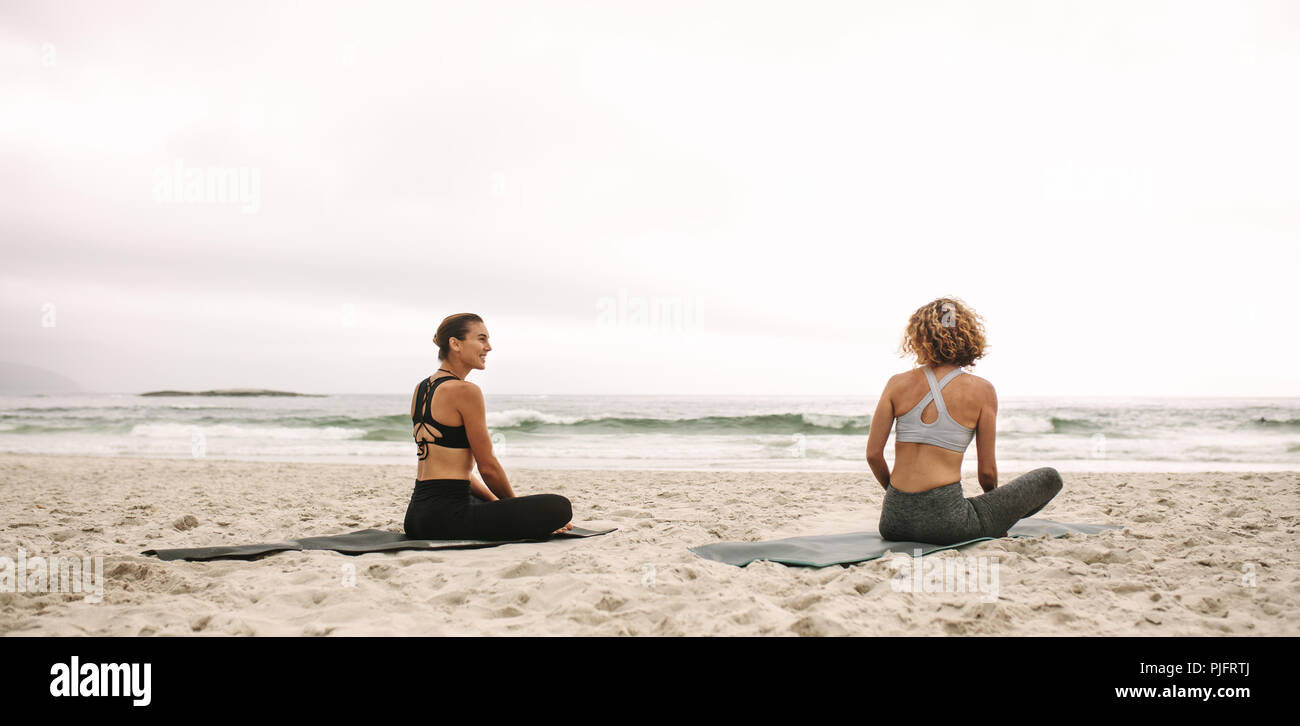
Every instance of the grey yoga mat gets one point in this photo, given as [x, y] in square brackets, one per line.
[352, 543]
[844, 549]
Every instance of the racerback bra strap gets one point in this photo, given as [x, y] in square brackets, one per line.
[937, 386]
[426, 397]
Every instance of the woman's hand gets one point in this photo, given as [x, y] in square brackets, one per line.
[564, 529]
[479, 489]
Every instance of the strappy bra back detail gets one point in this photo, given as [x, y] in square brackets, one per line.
[452, 437]
[945, 431]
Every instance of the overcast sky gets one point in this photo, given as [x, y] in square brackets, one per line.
[1114, 186]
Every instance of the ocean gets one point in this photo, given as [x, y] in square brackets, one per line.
[656, 432]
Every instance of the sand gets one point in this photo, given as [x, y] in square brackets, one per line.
[1182, 565]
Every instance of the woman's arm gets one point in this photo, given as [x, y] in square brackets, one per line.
[881, 423]
[985, 432]
[469, 401]
[479, 489]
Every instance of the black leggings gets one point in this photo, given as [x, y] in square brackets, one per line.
[445, 509]
[943, 516]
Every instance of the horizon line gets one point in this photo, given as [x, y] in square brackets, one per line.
[695, 395]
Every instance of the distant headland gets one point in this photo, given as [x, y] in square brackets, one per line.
[233, 392]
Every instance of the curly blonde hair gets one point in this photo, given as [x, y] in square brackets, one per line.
[945, 330]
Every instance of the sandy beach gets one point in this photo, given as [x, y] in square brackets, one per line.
[1181, 565]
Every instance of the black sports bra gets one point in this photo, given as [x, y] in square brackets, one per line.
[452, 437]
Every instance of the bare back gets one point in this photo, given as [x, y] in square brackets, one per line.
[440, 462]
[970, 402]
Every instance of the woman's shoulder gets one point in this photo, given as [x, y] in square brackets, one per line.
[458, 388]
[451, 386]
[905, 375]
[983, 385]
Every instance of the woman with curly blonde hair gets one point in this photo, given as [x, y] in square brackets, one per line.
[938, 411]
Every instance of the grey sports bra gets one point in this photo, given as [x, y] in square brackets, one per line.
[945, 431]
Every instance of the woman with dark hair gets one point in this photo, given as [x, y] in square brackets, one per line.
[938, 411]
[449, 415]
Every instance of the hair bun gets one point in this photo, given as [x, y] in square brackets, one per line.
[453, 326]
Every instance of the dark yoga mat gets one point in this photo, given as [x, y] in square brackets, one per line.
[845, 549]
[352, 543]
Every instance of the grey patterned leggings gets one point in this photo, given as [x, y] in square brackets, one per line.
[944, 516]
